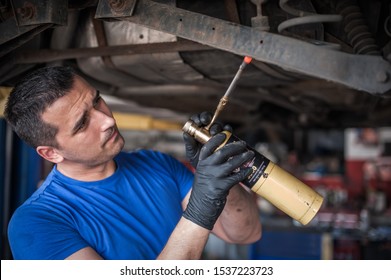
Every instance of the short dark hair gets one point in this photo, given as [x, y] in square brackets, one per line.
[30, 98]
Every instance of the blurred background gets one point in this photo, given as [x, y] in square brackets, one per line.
[315, 99]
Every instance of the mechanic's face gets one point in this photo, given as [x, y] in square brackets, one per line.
[87, 132]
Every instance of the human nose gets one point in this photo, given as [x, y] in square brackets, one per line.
[104, 119]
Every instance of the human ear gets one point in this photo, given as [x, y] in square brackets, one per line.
[49, 153]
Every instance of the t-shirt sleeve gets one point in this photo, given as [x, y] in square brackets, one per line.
[38, 234]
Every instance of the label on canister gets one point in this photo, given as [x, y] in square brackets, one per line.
[258, 164]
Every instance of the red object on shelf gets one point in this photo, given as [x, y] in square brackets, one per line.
[352, 181]
[328, 181]
[355, 176]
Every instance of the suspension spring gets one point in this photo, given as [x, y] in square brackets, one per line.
[303, 17]
[357, 31]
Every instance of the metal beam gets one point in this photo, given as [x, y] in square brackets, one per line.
[362, 72]
[49, 55]
[34, 12]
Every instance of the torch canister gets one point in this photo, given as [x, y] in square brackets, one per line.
[270, 181]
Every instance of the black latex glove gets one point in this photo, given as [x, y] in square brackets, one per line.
[192, 146]
[214, 178]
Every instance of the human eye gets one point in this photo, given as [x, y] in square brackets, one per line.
[97, 99]
[81, 124]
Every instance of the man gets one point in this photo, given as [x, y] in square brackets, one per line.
[101, 203]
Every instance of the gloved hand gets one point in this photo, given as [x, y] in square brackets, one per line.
[213, 179]
[192, 146]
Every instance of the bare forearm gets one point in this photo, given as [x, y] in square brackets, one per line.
[240, 219]
[186, 242]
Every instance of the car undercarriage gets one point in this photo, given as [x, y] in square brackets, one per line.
[316, 64]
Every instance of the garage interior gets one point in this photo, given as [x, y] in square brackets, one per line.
[314, 100]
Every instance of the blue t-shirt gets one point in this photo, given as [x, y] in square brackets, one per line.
[129, 215]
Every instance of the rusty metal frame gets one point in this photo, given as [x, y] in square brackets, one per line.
[367, 73]
[49, 55]
[32, 15]
[32, 12]
[10, 30]
[117, 8]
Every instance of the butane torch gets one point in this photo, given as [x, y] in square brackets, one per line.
[267, 179]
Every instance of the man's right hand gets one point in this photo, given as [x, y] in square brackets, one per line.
[214, 178]
[192, 146]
